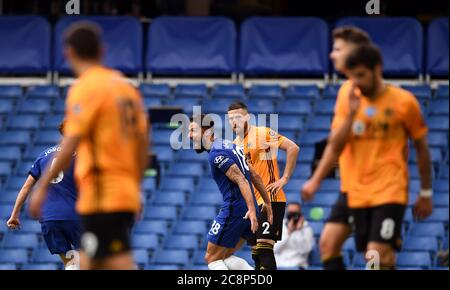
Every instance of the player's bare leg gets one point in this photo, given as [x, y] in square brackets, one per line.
[386, 254]
[331, 241]
[214, 257]
[234, 262]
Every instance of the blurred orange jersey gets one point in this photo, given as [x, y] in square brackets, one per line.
[107, 113]
[373, 165]
[261, 148]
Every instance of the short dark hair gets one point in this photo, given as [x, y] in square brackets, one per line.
[365, 55]
[61, 127]
[237, 105]
[351, 34]
[85, 39]
[206, 121]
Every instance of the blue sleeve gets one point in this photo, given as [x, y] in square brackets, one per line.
[221, 160]
[35, 169]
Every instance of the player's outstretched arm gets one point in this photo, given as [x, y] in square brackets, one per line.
[14, 222]
[292, 150]
[259, 185]
[61, 161]
[424, 206]
[235, 175]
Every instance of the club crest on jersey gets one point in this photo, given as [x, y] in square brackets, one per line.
[272, 133]
[358, 127]
[218, 159]
[370, 111]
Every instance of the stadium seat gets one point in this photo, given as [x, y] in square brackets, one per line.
[264, 106]
[20, 241]
[324, 199]
[330, 185]
[441, 186]
[414, 259]
[191, 155]
[302, 92]
[152, 91]
[15, 91]
[436, 155]
[441, 92]
[59, 106]
[438, 123]
[330, 91]
[15, 183]
[290, 123]
[232, 91]
[302, 171]
[207, 184]
[316, 227]
[205, 213]
[359, 260]
[34, 107]
[207, 198]
[8, 266]
[292, 196]
[169, 198]
[295, 107]
[34, 151]
[177, 183]
[177, 257]
[199, 257]
[186, 104]
[15, 256]
[10, 153]
[6, 106]
[52, 121]
[7, 197]
[145, 241]
[40, 267]
[437, 48]
[41, 92]
[159, 227]
[140, 257]
[294, 184]
[311, 138]
[349, 245]
[160, 213]
[47, 137]
[30, 226]
[441, 200]
[190, 228]
[44, 256]
[182, 242]
[437, 139]
[419, 91]
[5, 211]
[152, 102]
[438, 215]
[163, 153]
[148, 184]
[191, 91]
[419, 244]
[325, 107]
[162, 267]
[5, 169]
[186, 169]
[24, 122]
[161, 137]
[439, 107]
[265, 92]
[320, 123]
[21, 138]
[306, 155]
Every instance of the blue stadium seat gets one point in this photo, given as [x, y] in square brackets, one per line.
[359, 260]
[148, 184]
[24, 122]
[153, 102]
[191, 155]
[42, 91]
[325, 199]
[261, 106]
[414, 259]
[330, 185]
[265, 92]
[438, 215]
[316, 227]
[441, 92]
[161, 213]
[306, 155]
[186, 104]
[294, 184]
[162, 267]
[205, 213]
[20, 241]
[302, 92]
[396, 36]
[437, 48]
[190, 227]
[314, 258]
[199, 257]
[290, 123]
[419, 244]
[232, 91]
[413, 171]
[177, 183]
[40, 267]
[5, 211]
[310, 138]
[349, 245]
[52, 121]
[438, 123]
[169, 198]
[159, 227]
[145, 241]
[8, 266]
[186, 169]
[217, 106]
[441, 200]
[177, 257]
[34, 151]
[163, 153]
[420, 91]
[275, 45]
[191, 91]
[15, 138]
[207, 184]
[47, 137]
[42, 255]
[182, 242]
[7, 197]
[295, 107]
[207, 198]
[15, 182]
[5, 169]
[302, 171]
[59, 106]
[140, 257]
[27, 37]
[10, 153]
[443, 173]
[160, 91]
[439, 107]
[325, 107]
[320, 123]
[441, 186]
[292, 196]
[13, 91]
[30, 226]
[161, 137]
[437, 139]
[189, 48]
[15, 256]
[6, 106]
[436, 155]
[330, 91]
[122, 36]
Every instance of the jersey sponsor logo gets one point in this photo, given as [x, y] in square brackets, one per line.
[370, 111]
[218, 159]
[223, 162]
[358, 128]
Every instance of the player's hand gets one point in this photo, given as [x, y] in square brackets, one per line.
[423, 207]
[309, 188]
[267, 207]
[251, 214]
[13, 222]
[354, 101]
[277, 185]
[36, 201]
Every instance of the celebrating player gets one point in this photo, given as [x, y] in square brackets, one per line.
[59, 221]
[237, 219]
[260, 147]
[107, 126]
[370, 131]
[337, 228]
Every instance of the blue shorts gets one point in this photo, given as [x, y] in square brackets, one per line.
[61, 236]
[226, 231]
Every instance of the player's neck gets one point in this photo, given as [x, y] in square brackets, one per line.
[82, 67]
[380, 90]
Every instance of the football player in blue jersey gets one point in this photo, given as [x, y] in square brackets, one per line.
[237, 219]
[59, 221]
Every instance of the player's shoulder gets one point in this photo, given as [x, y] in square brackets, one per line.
[403, 97]
[49, 152]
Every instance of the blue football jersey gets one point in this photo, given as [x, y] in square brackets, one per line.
[62, 192]
[222, 155]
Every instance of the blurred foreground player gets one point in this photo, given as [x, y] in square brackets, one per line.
[261, 146]
[237, 219]
[337, 228]
[60, 222]
[107, 126]
[371, 127]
